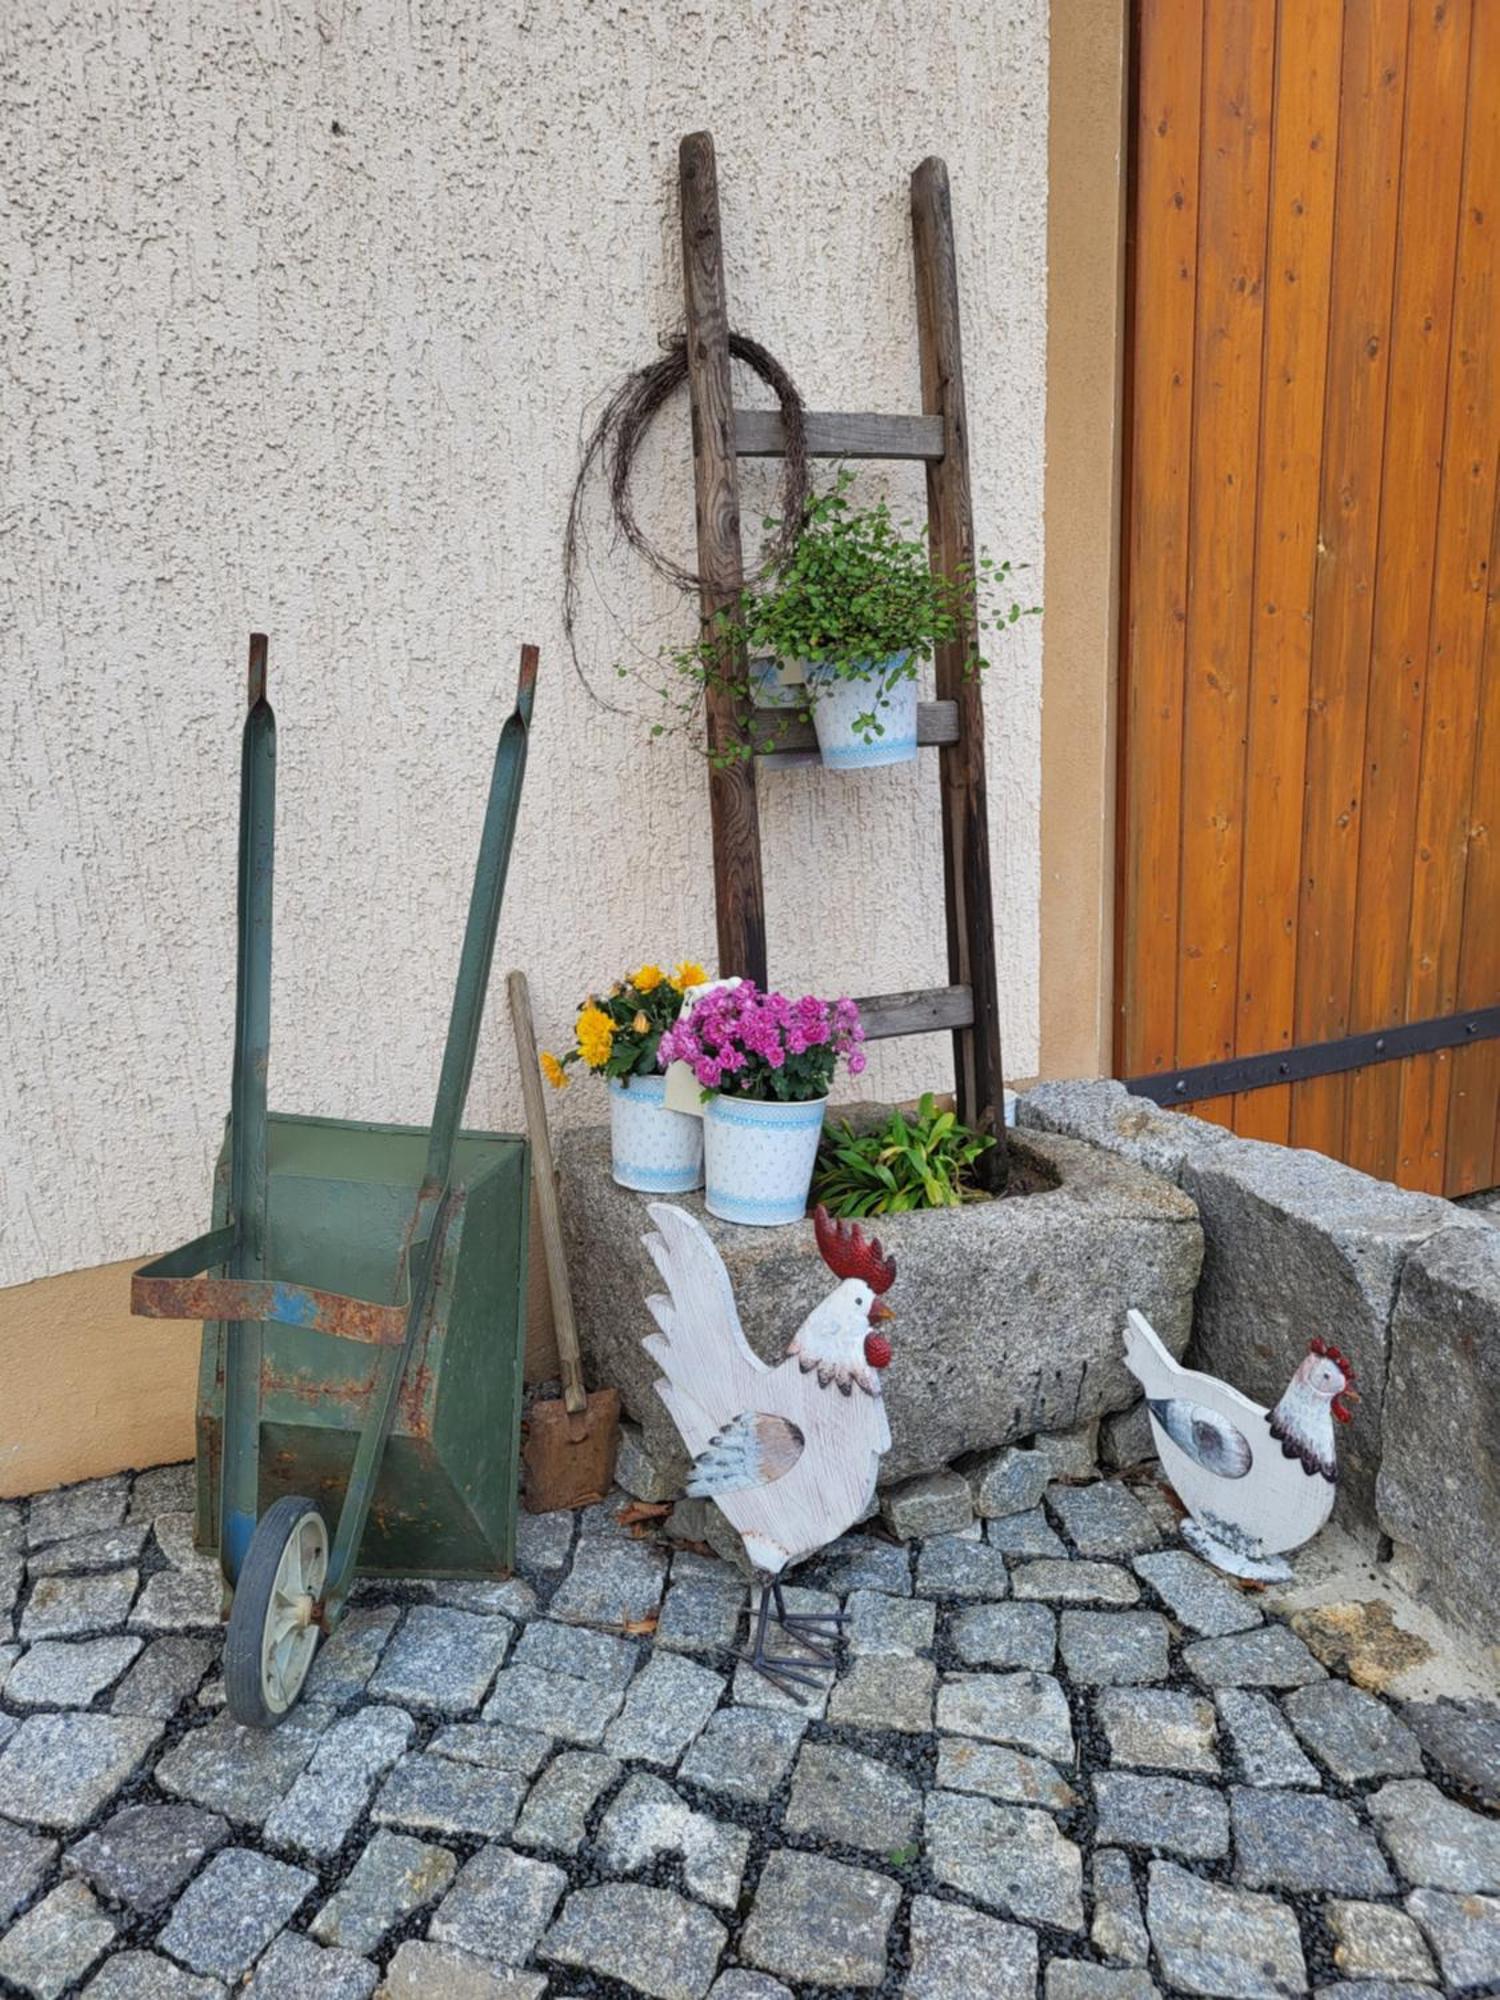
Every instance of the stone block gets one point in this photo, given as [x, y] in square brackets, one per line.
[816, 1920]
[1019, 1302]
[1072, 1453]
[1009, 1481]
[1008, 1857]
[56, 1942]
[1437, 1492]
[1104, 1113]
[957, 1954]
[1227, 1942]
[934, 1503]
[1125, 1438]
[667, 1947]
[1298, 1244]
[638, 1473]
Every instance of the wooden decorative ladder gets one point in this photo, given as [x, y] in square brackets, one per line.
[722, 435]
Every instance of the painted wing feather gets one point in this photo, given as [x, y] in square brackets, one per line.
[1207, 1438]
[753, 1449]
[710, 1372]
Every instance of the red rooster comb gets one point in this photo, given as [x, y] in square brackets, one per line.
[1318, 1345]
[849, 1253]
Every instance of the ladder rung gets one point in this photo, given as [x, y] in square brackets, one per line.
[923, 1013]
[759, 434]
[937, 722]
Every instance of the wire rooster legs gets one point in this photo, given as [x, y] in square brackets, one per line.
[804, 1628]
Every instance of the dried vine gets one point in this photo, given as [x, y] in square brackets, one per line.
[615, 440]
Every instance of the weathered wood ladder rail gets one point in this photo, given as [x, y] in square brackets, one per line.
[722, 435]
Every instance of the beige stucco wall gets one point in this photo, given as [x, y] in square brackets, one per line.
[305, 308]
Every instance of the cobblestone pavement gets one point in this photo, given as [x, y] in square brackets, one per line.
[1061, 1757]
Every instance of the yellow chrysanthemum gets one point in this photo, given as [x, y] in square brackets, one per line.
[647, 979]
[553, 1070]
[595, 1033]
[688, 973]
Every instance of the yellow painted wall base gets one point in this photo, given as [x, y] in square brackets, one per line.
[87, 1388]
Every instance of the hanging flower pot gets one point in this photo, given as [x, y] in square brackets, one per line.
[856, 607]
[764, 1063]
[654, 1150]
[778, 684]
[759, 1156]
[866, 714]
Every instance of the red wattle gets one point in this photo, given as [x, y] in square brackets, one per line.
[877, 1350]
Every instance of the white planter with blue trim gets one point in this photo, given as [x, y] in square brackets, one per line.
[654, 1150]
[758, 1158]
[839, 701]
[774, 684]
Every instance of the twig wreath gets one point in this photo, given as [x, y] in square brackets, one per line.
[615, 440]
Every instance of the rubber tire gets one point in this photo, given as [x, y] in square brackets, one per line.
[247, 1615]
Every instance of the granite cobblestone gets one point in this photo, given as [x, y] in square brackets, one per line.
[1059, 1757]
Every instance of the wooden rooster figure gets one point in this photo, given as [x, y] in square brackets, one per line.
[790, 1453]
[1256, 1482]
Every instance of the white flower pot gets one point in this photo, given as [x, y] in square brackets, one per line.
[778, 685]
[654, 1150]
[759, 1158]
[838, 701]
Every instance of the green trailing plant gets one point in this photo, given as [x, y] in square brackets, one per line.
[857, 598]
[925, 1162]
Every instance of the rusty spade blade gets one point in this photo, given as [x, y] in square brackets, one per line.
[568, 1459]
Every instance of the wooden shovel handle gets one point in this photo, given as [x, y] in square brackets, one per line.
[564, 1325]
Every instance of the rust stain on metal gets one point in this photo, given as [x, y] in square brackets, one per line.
[205, 1298]
[304, 1387]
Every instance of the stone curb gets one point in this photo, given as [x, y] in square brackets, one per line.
[1297, 1244]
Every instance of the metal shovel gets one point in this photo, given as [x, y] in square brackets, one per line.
[568, 1458]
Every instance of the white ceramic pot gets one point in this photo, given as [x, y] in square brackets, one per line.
[838, 701]
[654, 1150]
[759, 1158]
[776, 685]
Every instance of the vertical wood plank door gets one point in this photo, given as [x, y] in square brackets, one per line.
[1309, 840]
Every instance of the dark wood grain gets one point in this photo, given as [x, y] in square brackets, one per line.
[739, 893]
[759, 434]
[926, 1012]
[966, 846]
[937, 722]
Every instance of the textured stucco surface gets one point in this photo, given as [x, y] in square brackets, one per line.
[304, 307]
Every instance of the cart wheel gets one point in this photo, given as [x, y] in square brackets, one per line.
[272, 1634]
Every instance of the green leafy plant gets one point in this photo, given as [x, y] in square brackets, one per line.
[926, 1162]
[857, 599]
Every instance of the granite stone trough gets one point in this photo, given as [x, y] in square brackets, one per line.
[1008, 1313]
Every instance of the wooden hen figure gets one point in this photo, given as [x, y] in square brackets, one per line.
[789, 1454]
[1256, 1482]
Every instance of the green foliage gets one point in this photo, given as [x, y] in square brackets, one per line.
[926, 1163]
[857, 599]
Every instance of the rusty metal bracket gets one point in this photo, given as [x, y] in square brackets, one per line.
[174, 1287]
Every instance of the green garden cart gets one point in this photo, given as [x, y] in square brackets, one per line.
[363, 1296]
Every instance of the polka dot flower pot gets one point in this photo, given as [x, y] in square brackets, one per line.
[758, 1158]
[840, 702]
[654, 1150]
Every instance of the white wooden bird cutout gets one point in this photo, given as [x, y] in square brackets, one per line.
[788, 1453]
[1256, 1482]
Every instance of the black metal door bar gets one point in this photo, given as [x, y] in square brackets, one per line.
[1238, 1073]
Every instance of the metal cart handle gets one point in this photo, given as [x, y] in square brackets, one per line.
[172, 1287]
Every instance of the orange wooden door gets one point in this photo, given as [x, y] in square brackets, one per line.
[1310, 735]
